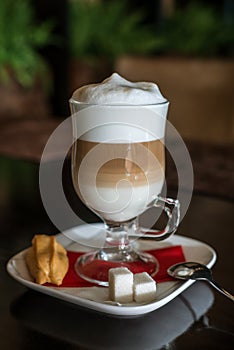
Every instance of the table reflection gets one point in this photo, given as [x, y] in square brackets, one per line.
[92, 330]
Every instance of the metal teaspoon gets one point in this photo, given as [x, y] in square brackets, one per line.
[196, 271]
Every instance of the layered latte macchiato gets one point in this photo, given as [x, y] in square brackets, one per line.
[118, 152]
[118, 167]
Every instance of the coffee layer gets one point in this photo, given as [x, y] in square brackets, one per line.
[138, 163]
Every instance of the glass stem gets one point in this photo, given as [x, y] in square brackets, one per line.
[117, 233]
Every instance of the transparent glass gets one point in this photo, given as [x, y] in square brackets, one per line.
[118, 171]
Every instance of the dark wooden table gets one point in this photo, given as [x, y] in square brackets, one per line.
[200, 319]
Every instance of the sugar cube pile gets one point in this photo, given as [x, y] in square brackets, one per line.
[125, 287]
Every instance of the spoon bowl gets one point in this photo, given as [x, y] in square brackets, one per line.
[196, 271]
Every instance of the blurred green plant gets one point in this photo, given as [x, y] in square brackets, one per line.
[198, 30]
[22, 186]
[107, 30]
[20, 39]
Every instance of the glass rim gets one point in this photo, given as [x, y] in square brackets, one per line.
[73, 101]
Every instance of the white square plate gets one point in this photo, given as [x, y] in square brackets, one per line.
[96, 298]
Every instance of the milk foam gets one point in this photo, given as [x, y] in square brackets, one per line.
[117, 90]
[117, 110]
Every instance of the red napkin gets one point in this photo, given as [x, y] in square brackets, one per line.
[165, 256]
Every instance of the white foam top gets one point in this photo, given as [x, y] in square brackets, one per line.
[117, 90]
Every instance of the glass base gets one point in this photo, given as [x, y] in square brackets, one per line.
[94, 266]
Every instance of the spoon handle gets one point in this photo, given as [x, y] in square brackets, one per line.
[221, 290]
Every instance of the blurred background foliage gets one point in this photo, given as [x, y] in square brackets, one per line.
[107, 29]
[198, 29]
[35, 34]
[112, 28]
[21, 37]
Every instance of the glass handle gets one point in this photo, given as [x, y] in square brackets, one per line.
[172, 209]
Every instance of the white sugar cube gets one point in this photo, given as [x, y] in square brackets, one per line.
[144, 288]
[121, 285]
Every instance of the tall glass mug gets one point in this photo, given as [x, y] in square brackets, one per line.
[118, 171]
